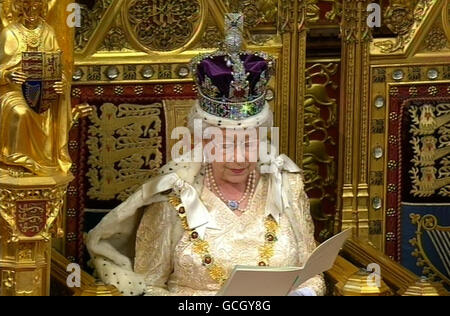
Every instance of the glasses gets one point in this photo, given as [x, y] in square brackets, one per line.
[251, 145]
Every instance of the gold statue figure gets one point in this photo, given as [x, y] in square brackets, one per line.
[31, 140]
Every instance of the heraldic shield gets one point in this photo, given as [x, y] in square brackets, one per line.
[43, 70]
[432, 246]
[31, 217]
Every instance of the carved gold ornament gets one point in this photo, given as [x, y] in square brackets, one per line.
[399, 19]
[436, 40]
[163, 25]
[90, 20]
[115, 40]
[212, 37]
[446, 20]
[404, 19]
[258, 14]
[255, 11]
[320, 116]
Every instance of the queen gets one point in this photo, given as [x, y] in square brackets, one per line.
[33, 141]
[184, 231]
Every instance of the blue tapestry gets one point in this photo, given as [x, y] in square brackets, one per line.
[425, 232]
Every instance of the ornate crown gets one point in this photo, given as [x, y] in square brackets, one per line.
[231, 83]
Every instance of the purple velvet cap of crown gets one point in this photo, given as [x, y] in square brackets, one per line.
[216, 69]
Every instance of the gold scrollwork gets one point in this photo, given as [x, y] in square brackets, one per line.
[163, 25]
[115, 40]
[446, 20]
[403, 18]
[212, 37]
[436, 40]
[176, 113]
[8, 279]
[311, 13]
[314, 10]
[90, 20]
[25, 252]
[315, 153]
[399, 17]
[336, 10]
[286, 16]
[257, 13]
[28, 283]
[354, 26]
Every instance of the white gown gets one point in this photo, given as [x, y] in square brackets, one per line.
[142, 248]
[166, 256]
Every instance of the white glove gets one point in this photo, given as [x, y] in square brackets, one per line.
[305, 291]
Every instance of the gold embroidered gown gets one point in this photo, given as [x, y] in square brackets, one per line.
[35, 141]
[171, 266]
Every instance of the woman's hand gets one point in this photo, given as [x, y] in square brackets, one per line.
[305, 291]
[16, 77]
[59, 87]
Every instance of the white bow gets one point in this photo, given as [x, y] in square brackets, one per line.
[277, 199]
[197, 214]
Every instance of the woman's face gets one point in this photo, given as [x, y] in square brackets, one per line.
[235, 173]
[239, 156]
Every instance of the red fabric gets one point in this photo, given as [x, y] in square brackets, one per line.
[77, 193]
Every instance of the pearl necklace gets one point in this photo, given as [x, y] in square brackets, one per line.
[232, 204]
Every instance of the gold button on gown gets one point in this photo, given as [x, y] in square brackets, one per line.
[165, 254]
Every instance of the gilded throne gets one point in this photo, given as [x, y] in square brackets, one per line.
[131, 66]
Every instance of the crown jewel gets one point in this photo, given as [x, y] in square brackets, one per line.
[232, 83]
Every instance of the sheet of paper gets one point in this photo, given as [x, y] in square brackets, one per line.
[268, 281]
[323, 257]
[255, 281]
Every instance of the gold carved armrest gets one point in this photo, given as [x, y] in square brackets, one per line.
[349, 278]
[89, 285]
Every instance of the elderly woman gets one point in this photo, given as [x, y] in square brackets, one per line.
[183, 232]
